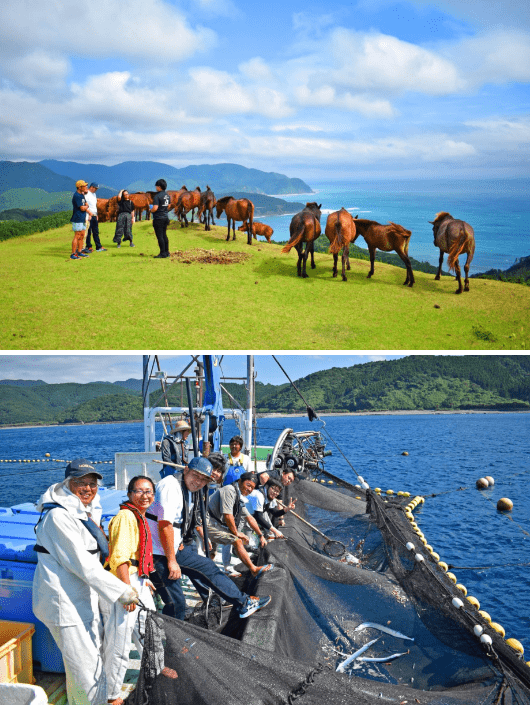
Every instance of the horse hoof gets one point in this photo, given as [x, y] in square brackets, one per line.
[344, 279]
[436, 278]
[458, 291]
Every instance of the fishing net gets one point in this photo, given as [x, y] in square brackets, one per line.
[324, 610]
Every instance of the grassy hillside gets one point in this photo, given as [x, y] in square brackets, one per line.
[36, 199]
[14, 175]
[125, 299]
[417, 382]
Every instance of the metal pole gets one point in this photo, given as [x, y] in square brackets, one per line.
[202, 496]
[192, 419]
[145, 398]
[250, 404]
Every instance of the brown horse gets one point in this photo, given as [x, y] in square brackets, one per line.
[258, 229]
[454, 237]
[242, 209]
[206, 208]
[340, 231]
[387, 238]
[112, 209]
[173, 198]
[305, 227]
[103, 208]
[141, 201]
[187, 201]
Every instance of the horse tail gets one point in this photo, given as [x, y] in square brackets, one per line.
[457, 248]
[295, 239]
[337, 243]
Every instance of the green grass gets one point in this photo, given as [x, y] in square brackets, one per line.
[121, 300]
[35, 198]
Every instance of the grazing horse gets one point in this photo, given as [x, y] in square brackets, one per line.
[141, 201]
[258, 229]
[187, 201]
[206, 207]
[242, 209]
[454, 237]
[386, 238]
[340, 231]
[305, 227]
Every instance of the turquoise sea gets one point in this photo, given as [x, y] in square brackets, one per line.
[446, 452]
[498, 211]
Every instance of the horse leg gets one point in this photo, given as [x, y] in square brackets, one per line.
[312, 250]
[228, 231]
[305, 275]
[344, 258]
[335, 260]
[372, 261]
[410, 276]
[234, 229]
[299, 249]
[438, 273]
[466, 270]
[459, 278]
[347, 248]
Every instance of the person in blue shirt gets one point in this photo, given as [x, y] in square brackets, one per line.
[78, 219]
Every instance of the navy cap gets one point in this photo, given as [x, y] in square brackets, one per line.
[93, 185]
[81, 467]
[201, 465]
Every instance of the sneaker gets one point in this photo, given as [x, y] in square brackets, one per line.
[253, 604]
[101, 249]
[81, 254]
[74, 256]
[87, 250]
[132, 244]
[119, 244]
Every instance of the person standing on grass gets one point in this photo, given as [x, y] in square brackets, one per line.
[93, 227]
[161, 218]
[125, 219]
[78, 219]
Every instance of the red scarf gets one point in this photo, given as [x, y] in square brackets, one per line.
[145, 564]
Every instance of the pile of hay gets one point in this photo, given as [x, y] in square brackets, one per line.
[208, 256]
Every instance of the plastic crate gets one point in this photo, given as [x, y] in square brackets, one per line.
[16, 662]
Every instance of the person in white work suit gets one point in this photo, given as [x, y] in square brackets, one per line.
[69, 578]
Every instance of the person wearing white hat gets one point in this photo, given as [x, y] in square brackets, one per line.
[69, 578]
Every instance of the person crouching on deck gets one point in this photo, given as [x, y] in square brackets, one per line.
[172, 520]
[131, 560]
[69, 578]
[227, 509]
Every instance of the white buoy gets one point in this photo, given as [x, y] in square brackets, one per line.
[490, 480]
[419, 558]
[410, 546]
[486, 639]
[478, 629]
[365, 486]
[457, 602]
[504, 504]
[482, 483]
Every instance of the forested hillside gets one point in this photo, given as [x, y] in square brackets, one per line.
[417, 382]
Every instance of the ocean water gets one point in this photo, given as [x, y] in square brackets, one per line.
[498, 211]
[446, 452]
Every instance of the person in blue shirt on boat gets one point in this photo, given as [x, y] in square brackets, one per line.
[172, 519]
[175, 448]
[70, 578]
[238, 463]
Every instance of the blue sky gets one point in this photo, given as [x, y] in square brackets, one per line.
[361, 89]
[84, 368]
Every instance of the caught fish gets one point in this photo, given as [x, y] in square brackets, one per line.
[340, 668]
[387, 630]
[381, 659]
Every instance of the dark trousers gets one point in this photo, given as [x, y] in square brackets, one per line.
[204, 574]
[160, 226]
[93, 229]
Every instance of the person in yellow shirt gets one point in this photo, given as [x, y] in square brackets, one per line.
[131, 560]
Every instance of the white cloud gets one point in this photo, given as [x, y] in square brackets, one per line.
[37, 70]
[142, 29]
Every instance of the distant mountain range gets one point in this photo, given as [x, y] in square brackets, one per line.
[416, 382]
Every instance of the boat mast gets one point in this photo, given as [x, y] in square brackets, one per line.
[249, 413]
[145, 397]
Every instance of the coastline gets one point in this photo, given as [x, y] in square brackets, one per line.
[274, 415]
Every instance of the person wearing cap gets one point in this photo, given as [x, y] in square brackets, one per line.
[78, 219]
[174, 447]
[69, 578]
[93, 226]
[172, 519]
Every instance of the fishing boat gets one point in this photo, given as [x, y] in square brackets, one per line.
[363, 610]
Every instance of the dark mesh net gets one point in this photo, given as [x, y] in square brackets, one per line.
[324, 610]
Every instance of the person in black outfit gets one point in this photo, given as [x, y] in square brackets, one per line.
[161, 218]
[125, 219]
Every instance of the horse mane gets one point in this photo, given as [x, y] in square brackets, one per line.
[398, 229]
[224, 200]
[441, 215]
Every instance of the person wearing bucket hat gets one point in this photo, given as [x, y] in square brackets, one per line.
[175, 448]
[78, 219]
[172, 519]
[69, 578]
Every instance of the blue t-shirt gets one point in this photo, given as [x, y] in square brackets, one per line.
[78, 200]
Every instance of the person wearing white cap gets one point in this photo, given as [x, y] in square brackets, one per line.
[69, 578]
[174, 447]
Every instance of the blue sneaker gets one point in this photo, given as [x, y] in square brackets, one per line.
[101, 249]
[132, 244]
[253, 604]
[81, 254]
[74, 256]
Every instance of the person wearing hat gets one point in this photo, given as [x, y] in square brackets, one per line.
[93, 226]
[172, 519]
[69, 578]
[78, 219]
[174, 447]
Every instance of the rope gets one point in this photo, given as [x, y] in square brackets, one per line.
[485, 567]
[311, 413]
[301, 688]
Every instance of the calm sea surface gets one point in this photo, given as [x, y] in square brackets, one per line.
[445, 452]
[498, 212]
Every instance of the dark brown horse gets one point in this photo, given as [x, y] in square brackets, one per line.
[305, 227]
[340, 231]
[259, 229]
[141, 201]
[454, 237]
[386, 238]
[206, 208]
[242, 209]
[187, 201]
